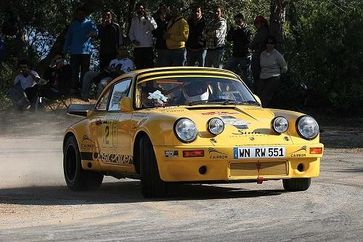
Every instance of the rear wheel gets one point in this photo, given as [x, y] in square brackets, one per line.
[151, 184]
[296, 184]
[76, 178]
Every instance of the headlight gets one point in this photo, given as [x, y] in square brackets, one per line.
[215, 126]
[280, 124]
[185, 130]
[307, 127]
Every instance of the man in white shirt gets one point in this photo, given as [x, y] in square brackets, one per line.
[141, 36]
[27, 79]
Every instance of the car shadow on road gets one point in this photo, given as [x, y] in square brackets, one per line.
[122, 192]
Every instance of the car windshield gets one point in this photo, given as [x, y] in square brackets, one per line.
[179, 91]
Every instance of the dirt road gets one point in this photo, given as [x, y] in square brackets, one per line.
[35, 204]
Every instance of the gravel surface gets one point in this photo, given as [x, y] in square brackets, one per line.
[35, 204]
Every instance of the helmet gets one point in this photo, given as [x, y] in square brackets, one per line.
[196, 91]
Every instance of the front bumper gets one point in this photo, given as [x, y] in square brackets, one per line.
[219, 164]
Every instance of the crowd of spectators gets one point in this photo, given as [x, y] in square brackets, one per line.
[165, 38]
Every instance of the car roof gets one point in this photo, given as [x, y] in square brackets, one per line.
[180, 70]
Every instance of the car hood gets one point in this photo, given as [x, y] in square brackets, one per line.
[243, 124]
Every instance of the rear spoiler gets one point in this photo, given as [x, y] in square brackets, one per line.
[80, 109]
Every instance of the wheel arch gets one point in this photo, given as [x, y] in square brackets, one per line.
[67, 136]
[136, 151]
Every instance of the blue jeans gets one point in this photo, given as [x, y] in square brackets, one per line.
[196, 57]
[214, 57]
[241, 66]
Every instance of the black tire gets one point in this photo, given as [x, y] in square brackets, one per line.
[151, 184]
[76, 178]
[296, 184]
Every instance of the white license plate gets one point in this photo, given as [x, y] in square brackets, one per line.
[258, 152]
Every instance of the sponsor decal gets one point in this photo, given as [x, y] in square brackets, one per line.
[87, 143]
[213, 141]
[294, 154]
[116, 159]
[241, 132]
[215, 154]
[171, 153]
[219, 113]
[238, 123]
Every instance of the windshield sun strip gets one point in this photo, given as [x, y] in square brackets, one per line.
[185, 76]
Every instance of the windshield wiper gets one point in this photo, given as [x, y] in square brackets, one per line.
[197, 102]
[223, 102]
[250, 102]
[233, 102]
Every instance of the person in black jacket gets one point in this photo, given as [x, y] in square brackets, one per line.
[110, 36]
[241, 38]
[195, 44]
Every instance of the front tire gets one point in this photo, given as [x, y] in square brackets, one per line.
[76, 178]
[151, 184]
[296, 184]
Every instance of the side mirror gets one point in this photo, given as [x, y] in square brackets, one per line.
[125, 104]
[257, 99]
[83, 110]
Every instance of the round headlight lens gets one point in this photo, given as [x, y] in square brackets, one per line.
[307, 127]
[280, 124]
[185, 130]
[215, 126]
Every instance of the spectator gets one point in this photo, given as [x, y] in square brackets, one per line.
[272, 65]
[195, 43]
[120, 65]
[176, 35]
[78, 45]
[161, 17]
[258, 45]
[241, 57]
[110, 36]
[215, 35]
[27, 81]
[58, 74]
[140, 34]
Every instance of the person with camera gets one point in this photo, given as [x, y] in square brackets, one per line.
[141, 36]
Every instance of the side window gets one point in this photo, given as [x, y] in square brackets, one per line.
[102, 104]
[120, 90]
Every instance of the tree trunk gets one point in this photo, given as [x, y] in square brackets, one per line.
[277, 19]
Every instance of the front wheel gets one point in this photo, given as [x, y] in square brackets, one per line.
[296, 184]
[151, 184]
[76, 178]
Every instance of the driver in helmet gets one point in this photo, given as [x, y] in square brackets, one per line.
[196, 91]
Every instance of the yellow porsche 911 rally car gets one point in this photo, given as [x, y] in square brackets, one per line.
[188, 124]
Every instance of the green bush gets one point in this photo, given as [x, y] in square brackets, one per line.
[324, 50]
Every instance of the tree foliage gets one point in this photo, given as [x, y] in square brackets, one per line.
[322, 40]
